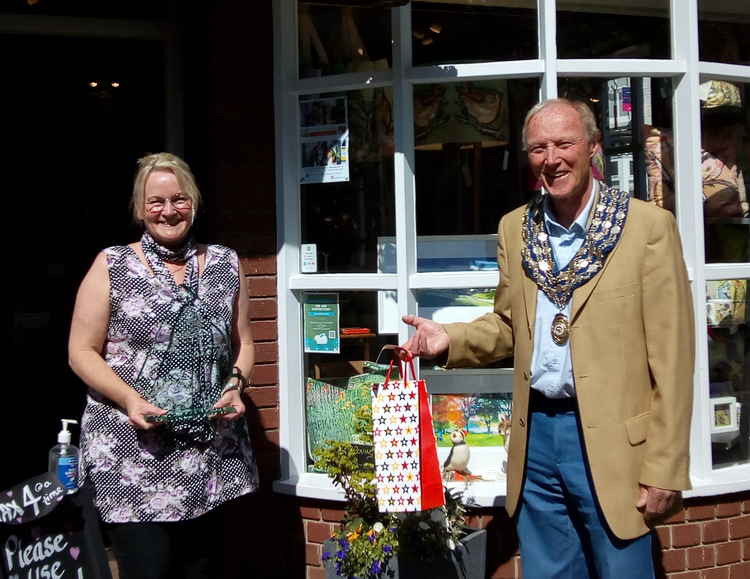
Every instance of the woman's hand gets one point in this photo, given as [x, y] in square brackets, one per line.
[137, 409]
[231, 398]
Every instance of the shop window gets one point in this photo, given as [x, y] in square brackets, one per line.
[729, 371]
[471, 406]
[635, 117]
[335, 38]
[725, 159]
[343, 358]
[462, 31]
[603, 30]
[470, 169]
[346, 179]
[722, 36]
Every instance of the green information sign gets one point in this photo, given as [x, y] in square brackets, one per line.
[322, 324]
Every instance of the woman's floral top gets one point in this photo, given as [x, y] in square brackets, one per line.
[140, 476]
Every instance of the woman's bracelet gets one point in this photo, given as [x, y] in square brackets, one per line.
[240, 383]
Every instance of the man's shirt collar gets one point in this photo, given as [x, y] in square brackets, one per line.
[580, 225]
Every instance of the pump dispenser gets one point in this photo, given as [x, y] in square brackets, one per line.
[63, 458]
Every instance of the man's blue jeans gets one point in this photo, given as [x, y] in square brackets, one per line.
[562, 532]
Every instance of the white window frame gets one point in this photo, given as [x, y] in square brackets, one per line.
[683, 68]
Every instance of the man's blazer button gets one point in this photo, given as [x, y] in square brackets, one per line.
[522, 422]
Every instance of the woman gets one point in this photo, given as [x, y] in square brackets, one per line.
[161, 335]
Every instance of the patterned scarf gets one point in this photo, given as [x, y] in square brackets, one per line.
[157, 254]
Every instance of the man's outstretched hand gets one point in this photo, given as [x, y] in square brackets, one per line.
[430, 340]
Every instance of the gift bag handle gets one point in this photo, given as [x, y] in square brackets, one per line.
[405, 361]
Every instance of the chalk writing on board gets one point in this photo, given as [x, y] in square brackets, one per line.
[31, 499]
[40, 558]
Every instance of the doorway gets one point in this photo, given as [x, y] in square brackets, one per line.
[76, 114]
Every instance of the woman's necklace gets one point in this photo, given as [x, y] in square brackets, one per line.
[177, 270]
[174, 267]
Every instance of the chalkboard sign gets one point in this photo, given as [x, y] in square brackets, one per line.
[31, 499]
[46, 534]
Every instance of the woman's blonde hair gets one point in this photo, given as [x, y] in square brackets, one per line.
[162, 162]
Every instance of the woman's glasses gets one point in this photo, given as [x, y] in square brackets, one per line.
[157, 205]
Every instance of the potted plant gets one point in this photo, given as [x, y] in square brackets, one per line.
[370, 544]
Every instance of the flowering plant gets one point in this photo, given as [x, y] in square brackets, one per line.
[367, 538]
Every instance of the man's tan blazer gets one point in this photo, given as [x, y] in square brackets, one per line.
[632, 347]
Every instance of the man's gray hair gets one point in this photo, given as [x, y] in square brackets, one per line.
[593, 134]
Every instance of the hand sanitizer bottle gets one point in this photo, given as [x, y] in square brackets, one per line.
[63, 458]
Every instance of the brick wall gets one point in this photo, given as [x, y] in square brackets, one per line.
[229, 131]
[708, 539]
[229, 143]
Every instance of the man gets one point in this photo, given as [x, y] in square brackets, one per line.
[594, 304]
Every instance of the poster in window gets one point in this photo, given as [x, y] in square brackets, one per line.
[324, 140]
[321, 321]
[472, 433]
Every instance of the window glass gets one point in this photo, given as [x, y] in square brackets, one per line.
[335, 38]
[725, 154]
[722, 31]
[446, 306]
[635, 117]
[460, 31]
[729, 370]
[347, 202]
[342, 345]
[469, 169]
[634, 29]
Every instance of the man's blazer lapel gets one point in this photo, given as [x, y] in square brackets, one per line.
[529, 299]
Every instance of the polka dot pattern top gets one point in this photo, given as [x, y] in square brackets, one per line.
[172, 344]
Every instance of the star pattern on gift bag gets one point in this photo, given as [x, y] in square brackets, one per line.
[395, 412]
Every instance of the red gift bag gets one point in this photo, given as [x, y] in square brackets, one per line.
[407, 473]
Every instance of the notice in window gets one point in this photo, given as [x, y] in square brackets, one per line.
[322, 324]
[324, 139]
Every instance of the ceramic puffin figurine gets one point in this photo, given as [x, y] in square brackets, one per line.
[458, 458]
